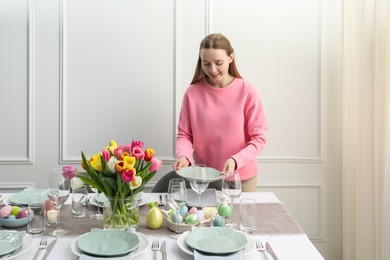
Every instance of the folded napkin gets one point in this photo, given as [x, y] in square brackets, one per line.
[127, 256]
[234, 256]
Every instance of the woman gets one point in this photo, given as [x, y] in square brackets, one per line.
[222, 122]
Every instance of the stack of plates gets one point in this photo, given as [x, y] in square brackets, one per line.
[215, 241]
[110, 243]
[14, 244]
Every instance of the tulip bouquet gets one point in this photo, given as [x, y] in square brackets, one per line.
[120, 172]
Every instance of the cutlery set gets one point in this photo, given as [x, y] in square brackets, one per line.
[156, 247]
[43, 246]
[267, 249]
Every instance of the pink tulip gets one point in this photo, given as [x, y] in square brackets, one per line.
[156, 164]
[128, 176]
[106, 155]
[118, 152]
[127, 148]
[69, 171]
[138, 153]
[137, 143]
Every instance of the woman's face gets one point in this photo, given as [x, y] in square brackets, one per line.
[215, 64]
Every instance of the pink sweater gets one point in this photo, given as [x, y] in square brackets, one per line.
[218, 123]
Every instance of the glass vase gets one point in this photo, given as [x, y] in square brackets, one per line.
[120, 213]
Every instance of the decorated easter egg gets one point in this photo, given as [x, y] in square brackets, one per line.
[5, 211]
[218, 221]
[22, 213]
[11, 217]
[191, 219]
[176, 218]
[225, 210]
[200, 215]
[15, 210]
[192, 210]
[210, 212]
[183, 210]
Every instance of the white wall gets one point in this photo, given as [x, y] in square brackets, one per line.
[77, 73]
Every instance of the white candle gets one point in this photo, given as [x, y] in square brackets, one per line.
[52, 216]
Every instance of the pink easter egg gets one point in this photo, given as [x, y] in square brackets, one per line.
[5, 211]
[193, 210]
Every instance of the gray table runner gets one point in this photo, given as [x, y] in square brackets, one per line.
[273, 219]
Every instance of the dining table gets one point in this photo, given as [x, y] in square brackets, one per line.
[274, 225]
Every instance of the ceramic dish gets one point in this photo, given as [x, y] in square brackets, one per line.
[10, 242]
[22, 198]
[26, 245]
[181, 242]
[216, 240]
[142, 246]
[212, 174]
[15, 222]
[108, 242]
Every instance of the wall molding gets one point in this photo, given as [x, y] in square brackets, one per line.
[13, 186]
[30, 94]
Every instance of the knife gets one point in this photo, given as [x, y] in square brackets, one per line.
[270, 251]
[163, 250]
[49, 248]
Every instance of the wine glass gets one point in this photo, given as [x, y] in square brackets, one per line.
[232, 189]
[97, 215]
[58, 192]
[199, 182]
[177, 196]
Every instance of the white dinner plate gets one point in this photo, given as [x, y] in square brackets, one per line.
[100, 198]
[26, 245]
[212, 174]
[181, 242]
[142, 246]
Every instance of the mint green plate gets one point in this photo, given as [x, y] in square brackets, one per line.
[22, 198]
[108, 242]
[216, 240]
[9, 242]
[212, 174]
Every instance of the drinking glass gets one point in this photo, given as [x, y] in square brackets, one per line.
[199, 182]
[232, 189]
[177, 196]
[58, 192]
[98, 214]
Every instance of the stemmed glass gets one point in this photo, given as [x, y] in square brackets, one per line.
[232, 189]
[58, 192]
[177, 196]
[199, 182]
[97, 215]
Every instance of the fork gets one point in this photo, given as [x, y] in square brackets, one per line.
[261, 248]
[155, 248]
[42, 245]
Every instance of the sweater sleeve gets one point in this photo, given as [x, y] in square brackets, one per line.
[256, 129]
[184, 137]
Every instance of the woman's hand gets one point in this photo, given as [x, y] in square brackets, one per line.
[180, 163]
[229, 167]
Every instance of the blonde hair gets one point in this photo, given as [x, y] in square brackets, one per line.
[215, 41]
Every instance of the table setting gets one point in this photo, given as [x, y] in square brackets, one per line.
[103, 212]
